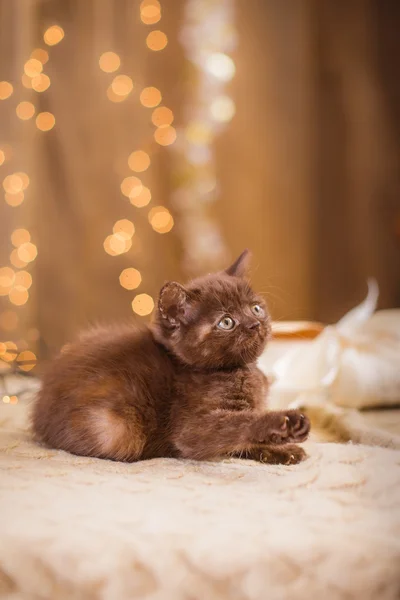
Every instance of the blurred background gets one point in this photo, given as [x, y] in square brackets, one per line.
[142, 141]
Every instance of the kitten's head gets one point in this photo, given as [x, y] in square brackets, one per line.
[216, 321]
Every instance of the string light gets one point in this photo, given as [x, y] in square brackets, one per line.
[150, 11]
[143, 304]
[122, 85]
[41, 55]
[131, 186]
[45, 121]
[14, 199]
[25, 110]
[165, 136]
[53, 35]
[139, 161]
[109, 62]
[27, 252]
[16, 261]
[18, 295]
[161, 219]
[33, 67]
[26, 360]
[6, 89]
[41, 83]
[130, 278]
[162, 116]
[117, 244]
[142, 198]
[124, 228]
[156, 40]
[150, 97]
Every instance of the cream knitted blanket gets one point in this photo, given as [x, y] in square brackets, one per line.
[82, 528]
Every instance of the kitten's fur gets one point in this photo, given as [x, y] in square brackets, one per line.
[182, 387]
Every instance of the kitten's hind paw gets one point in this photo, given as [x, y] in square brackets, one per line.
[281, 427]
[282, 455]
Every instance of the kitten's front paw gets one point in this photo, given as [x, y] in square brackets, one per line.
[282, 455]
[282, 427]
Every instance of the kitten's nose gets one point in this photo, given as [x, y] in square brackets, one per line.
[254, 324]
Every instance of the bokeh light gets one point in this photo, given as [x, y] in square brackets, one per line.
[41, 83]
[221, 66]
[14, 199]
[53, 35]
[124, 228]
[223, 109]
[143, 304]
[45, 121]
[7, 279]
[27, 252]
[6, 89]
[117, 244]
[26, 360]
[13, 183]
[109, 62]
[18, 295]
[20, 236]
[150, 11]
[161, 219]
[16, 261]
[130, 278]
[162, 116]
[23, 279]
[150, 97]
[8, 351]
[156, 40]
[139, 161]
[122, 85]
[33, 67]
[142, 198]
[165, 136]
[41, 55]
[2, 157]
[131, 186]
[25, 110]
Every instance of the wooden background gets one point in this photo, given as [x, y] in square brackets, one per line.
[308, 167]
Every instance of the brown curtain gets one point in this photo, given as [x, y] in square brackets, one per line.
[308, 168]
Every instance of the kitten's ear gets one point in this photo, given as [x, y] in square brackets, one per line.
[172, 302]
[241, 265]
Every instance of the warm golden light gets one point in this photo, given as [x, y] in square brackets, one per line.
[117, 244]
[141, 199]
[8, 320]
[25, 110]
[27, 252]
[41, 83]
[41, 55]
[109, 62]
[2, 157]
[162, 116]
[161, 219]
[6, 399]
[142, 304]
[24, 178]
[16, 261]
[150, 97]
[13, 183]
[23, 279]
[221, 66]
[8, 351]
[53, 35]
[122, 85]
[13, 399]
[165, 135]
[6, 89]
[14, 199]
[139, 161]
[7, 277]
[20, 236]
[26, 81]
[113, 97]
[33, 67]
[130, 278]
[198, 133]
[223, 109]
[18, 295]
[131, 186]
[150, 11]
[156, 40]
[45, 121]
[26, 360]
[124, 228]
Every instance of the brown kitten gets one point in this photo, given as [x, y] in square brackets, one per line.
[187, 386]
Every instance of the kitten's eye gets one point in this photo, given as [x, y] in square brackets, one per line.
[258, 310]
[226, 323]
